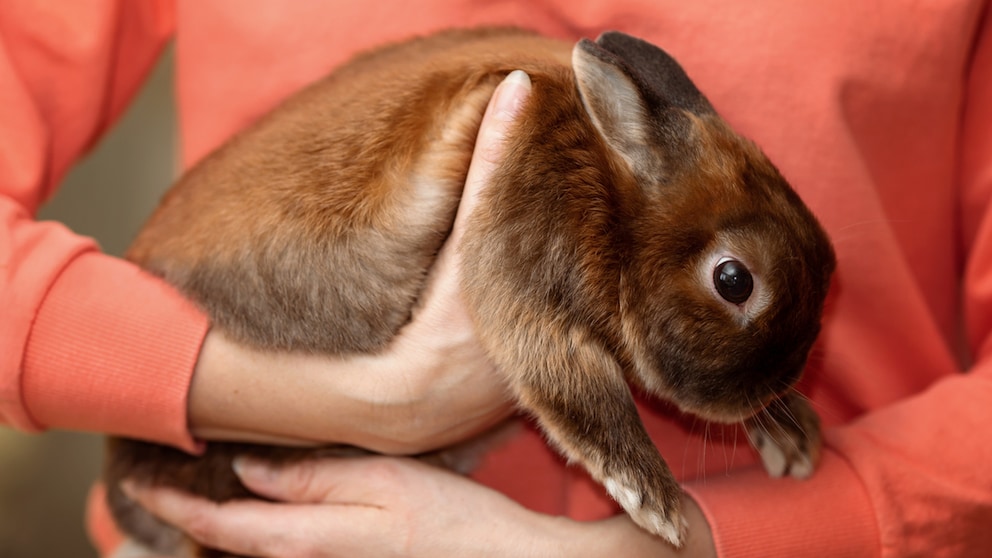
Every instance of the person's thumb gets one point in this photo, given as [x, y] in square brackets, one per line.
[302, 481]
[442, 304]
[491, 141]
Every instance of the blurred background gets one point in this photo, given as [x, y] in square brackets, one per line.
[44, 478]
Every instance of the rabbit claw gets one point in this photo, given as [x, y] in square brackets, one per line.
[652, 500]
[787, 437]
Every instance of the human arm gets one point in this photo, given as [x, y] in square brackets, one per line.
[431, 387]
[90, 342]
[384, 506]
[70, 335]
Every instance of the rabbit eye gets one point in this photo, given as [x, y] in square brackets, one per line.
[733, 281]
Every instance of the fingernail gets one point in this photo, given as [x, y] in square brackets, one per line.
[129, 488]
[249, 468]
[518, 77]
[509, 98]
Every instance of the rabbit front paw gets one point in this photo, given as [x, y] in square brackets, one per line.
[787, 436]
[652, 499]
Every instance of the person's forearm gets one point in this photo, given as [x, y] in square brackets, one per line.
[432, 386]
[561, 537]
[620, 535]
[249, 395]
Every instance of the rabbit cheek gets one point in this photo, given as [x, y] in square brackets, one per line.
[707, 365]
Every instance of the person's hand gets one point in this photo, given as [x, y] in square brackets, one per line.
[388, 506]
[432, 387]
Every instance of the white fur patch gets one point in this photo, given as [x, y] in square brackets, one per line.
[628, 498]
[649, 519]
[663, 528]
[773, 458]
[802, 468]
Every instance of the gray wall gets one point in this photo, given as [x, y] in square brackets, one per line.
[44, 478]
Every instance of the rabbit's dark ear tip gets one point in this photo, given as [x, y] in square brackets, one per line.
[611, 35]
[595, 50]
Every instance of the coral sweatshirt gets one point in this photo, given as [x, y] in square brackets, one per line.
[879, 113]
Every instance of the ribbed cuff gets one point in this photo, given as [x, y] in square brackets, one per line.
[751, 514]
[112, 350]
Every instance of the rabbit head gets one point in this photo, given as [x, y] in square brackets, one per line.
[725, 269]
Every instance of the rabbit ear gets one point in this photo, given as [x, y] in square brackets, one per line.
[614, 103]
[661, 80]
[635, 94]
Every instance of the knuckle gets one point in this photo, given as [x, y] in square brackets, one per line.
[201, 526]
[385, 472]
[303, 479]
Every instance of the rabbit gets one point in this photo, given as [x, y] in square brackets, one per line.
[630, 238]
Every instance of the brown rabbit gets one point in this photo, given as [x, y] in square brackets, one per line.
[630, 236]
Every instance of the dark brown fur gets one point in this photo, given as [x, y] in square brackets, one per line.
[585, 264]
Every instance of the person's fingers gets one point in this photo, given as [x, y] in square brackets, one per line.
[346, 481]
[489, 145]
[441, 325]
[296, 482]
[490, 142]
[253, 527]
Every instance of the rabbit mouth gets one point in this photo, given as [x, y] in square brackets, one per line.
[725, 416]
[728, 412]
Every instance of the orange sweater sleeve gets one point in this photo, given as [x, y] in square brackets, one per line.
[87, 341]
[912, 478]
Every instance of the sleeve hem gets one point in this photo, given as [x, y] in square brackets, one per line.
[113, 350]
[754, 515]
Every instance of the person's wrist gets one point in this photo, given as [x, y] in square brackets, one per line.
[601, 539]
[243, 394]
[538, 535]
[699, 543]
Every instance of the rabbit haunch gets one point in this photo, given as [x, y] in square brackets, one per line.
[629, 236]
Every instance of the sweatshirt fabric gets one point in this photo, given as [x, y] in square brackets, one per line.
[879, 114]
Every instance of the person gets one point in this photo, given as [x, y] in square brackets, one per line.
[880, 114]
[91, 343]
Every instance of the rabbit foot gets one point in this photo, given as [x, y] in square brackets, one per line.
[657, 509]
[787, 437]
